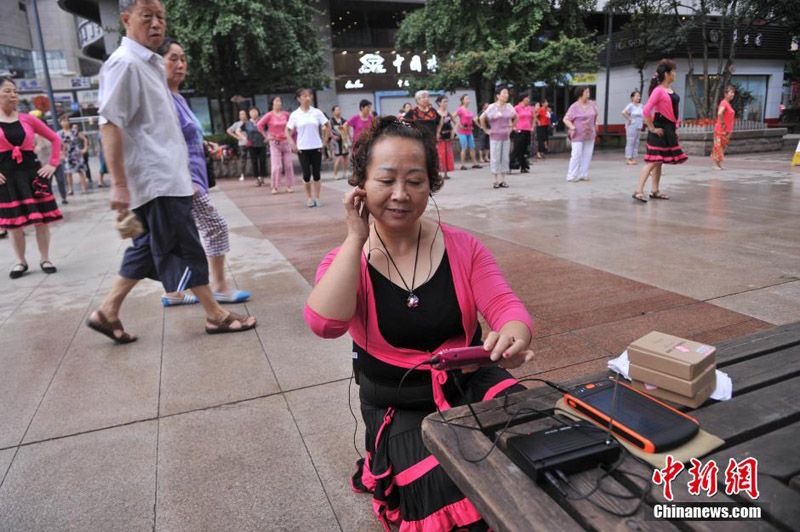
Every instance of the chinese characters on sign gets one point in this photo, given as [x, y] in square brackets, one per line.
[381, 70]
[740, 477]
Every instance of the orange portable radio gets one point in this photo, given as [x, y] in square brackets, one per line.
[637, 418]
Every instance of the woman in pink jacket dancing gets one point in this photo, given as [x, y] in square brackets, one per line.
[661, 116]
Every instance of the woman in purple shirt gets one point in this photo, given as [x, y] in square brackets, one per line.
[210, 223]
[581, 122]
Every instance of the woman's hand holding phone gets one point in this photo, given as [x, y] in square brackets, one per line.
[356, 215]
[508, 351]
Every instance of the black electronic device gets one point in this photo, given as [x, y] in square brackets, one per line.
[638, 418]
[569, 449]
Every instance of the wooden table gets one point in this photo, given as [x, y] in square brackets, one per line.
[762, 420]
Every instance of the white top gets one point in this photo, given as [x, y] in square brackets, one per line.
[636, 112]
[134, 96]
[307, 124]
[236, 126]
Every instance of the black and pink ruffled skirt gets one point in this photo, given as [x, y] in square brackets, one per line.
[409, 488]
[25, 198]
[665, 149]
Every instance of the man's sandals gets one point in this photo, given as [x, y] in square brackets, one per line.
[226, 325]
[108, 328]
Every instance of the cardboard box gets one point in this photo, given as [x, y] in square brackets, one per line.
[692, 402]
[675, 384]
[671, 355]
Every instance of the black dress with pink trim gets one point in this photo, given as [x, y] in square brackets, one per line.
[665, 149]
[25, 198]
[408, 486]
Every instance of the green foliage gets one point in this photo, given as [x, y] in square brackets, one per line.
[272, 41]
[742, 99]
[513, 41]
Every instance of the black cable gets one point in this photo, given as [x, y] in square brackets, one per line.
[366, 347]
[553, 385]
[407, 373]
[355, 419]
[645, 490]
[430, 252]
[469, 404]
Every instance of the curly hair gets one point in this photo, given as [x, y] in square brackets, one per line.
[391, 126]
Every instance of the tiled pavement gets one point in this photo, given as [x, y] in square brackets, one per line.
[184, 431]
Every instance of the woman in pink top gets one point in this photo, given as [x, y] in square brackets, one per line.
[361, 121]
[25, 195]
[501, 119]
[522, 138]
[404, 287]
[280, 149]
[723, 128]
[465, 119]
[581, 122]
[662, 136]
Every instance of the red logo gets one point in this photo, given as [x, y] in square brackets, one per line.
[666, 475]
[704, 479]
[740, 477]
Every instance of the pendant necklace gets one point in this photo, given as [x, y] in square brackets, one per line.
[412, 301]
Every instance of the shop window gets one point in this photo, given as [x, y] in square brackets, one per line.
[752, 97]
[16, 62]
[202, 111]
[56, 62]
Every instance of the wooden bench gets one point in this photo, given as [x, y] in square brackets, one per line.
[762, 420]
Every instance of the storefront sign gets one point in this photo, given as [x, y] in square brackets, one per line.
[80, 83]
[30, 85]
[382, 70]
[350, 84]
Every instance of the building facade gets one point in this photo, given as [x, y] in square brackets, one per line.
[72, 73]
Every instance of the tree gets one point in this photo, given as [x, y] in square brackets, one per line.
[267, 44]
[643, 27]
[481, 42]
[669, 25]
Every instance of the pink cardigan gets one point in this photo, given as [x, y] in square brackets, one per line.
[661, 102]
[479, 284]
[32, 125]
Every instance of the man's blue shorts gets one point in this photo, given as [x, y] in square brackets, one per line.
[169, 250]
[466, 141]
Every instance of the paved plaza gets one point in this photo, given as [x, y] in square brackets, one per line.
[182, 431]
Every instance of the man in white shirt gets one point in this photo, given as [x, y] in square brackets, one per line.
[148, 159]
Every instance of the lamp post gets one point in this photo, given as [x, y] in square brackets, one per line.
[608, 71]
[44, 65]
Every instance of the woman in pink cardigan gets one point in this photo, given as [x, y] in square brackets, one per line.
[25, 195]
[662, 136]
[404, 287]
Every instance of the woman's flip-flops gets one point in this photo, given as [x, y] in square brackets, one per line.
[185, 299]
[236, 296]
